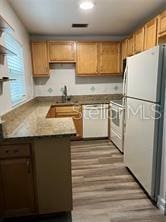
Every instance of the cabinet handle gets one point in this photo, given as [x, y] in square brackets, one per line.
[28, 166]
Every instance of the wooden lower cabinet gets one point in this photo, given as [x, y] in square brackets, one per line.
[52, 112]
[1, 198]
[69, 111]
[17, 184]
[53, 174]
[35, 178]
[78, 125]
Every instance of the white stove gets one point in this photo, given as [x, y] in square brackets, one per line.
[116, 123]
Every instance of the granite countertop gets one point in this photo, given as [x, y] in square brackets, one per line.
[37, 125]
[29, 120]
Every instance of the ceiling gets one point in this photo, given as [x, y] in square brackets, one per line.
[109, 17]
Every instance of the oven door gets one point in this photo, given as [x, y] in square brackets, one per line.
[117, 119]
[116, 126]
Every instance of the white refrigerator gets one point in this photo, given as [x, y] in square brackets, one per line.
[144, 95]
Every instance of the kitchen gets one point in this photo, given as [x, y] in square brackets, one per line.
[68, 81]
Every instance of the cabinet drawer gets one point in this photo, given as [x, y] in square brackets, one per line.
[17, 150]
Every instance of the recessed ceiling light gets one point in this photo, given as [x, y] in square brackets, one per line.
[86, 5]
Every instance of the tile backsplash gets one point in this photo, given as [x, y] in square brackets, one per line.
[64, 74]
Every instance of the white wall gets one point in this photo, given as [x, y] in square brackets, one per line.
[22, 36]
[61, 75]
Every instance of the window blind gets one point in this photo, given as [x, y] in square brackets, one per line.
[15, 70]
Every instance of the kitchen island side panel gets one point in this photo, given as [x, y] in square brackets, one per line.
[53, 174]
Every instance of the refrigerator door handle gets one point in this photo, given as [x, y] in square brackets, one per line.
[125, 82]
[125, 114]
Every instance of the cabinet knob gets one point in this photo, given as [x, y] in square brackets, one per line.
[28, 166]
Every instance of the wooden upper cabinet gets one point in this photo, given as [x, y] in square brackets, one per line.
[162, 24]
[87, 58]
[109, 57]
[123, 53]
[61, 51]
[40, 58]
[130, 46]
[139, 40]
[150, 34]
[124, 49]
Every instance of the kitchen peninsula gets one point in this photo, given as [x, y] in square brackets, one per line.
[37, 150]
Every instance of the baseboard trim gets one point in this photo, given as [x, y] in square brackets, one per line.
[162, 205]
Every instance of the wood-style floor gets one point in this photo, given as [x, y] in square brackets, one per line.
[103, 189]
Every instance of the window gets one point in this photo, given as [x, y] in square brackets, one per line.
[15, 70]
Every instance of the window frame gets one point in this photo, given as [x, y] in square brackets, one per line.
[20, 52]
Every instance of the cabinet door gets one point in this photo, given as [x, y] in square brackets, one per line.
[87, 58]
[150, 34]
[78, 126]
[162, 24]
[1, 198]
[40, 59]
[109, 59]
[52, 112]
[123, 52]
[124, 49]
[53, 174]
[17, 185]
[130, 46]
[61, 51]
[139, 40]
[78, 122]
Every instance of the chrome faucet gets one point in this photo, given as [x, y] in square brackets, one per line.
[64, 96]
